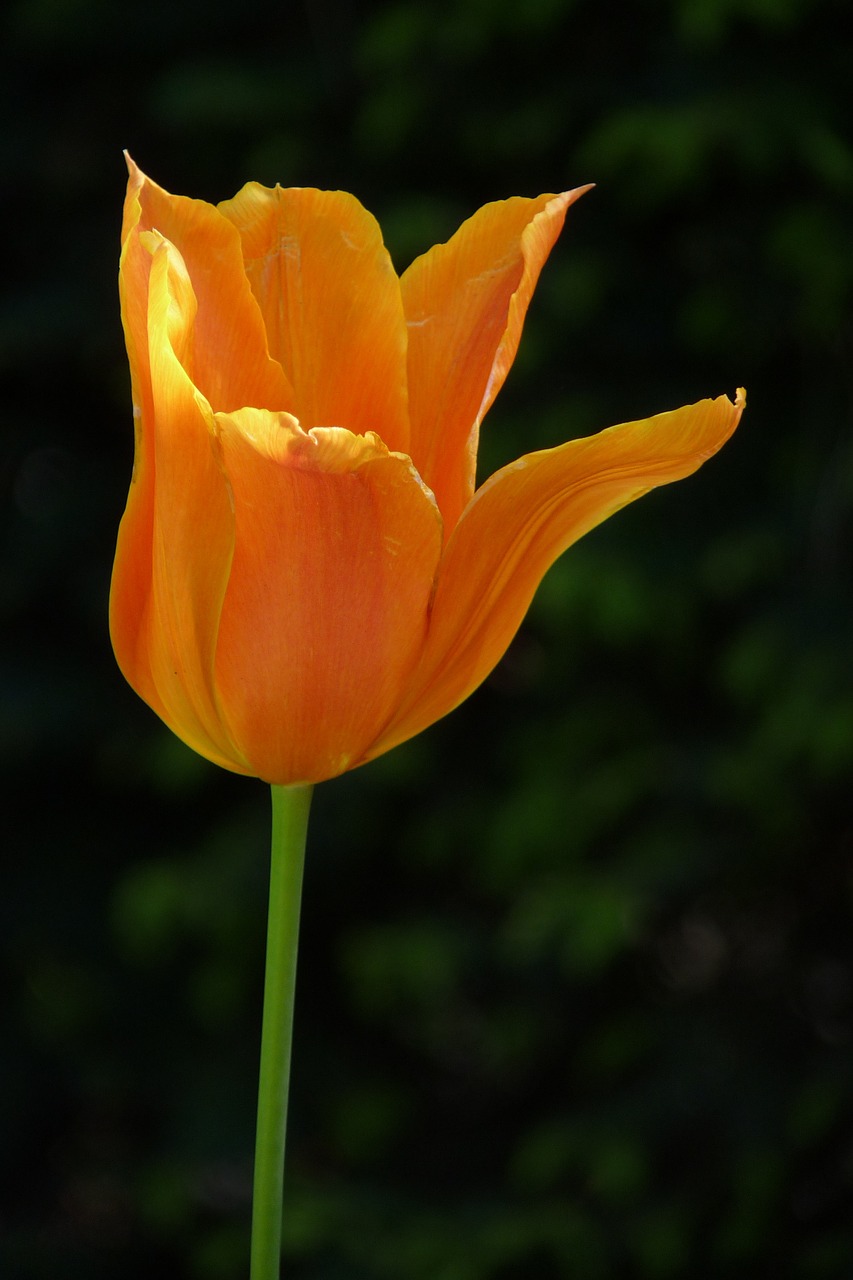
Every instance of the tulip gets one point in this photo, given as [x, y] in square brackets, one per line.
[306, 573]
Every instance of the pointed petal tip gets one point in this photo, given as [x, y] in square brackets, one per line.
[136, 179]
[576, 192]
[566, 198]
[558, 204]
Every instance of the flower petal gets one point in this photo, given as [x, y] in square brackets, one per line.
[331, 304]
[232, 365]
[337, 544]
[465, 305]
[519, 522]
[177, 534]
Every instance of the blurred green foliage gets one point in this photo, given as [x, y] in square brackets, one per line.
[576, 984]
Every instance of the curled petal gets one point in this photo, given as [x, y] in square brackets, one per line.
[465, 304]
[519, 522]
[232, 366]
[331, 304]
[177, 534]
[337, 544]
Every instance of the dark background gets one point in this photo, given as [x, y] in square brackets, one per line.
[576, 990]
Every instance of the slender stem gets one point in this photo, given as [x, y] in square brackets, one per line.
[290, 806]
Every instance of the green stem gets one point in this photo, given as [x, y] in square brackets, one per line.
[290, 806]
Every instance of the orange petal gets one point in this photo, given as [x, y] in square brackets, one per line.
[176, 537]
[232, 364]
[131, 580]
[326, 610]
[519, 522]
[465, 304]
[331, 304]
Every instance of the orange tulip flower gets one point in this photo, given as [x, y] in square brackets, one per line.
[306, 574]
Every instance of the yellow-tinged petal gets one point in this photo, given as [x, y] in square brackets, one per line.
[465, 304]
[232, 365]
[337, 544]
[177, 535]
[331, 304]
[517, 525]
[131, 580]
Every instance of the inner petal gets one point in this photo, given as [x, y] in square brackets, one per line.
[331, 304]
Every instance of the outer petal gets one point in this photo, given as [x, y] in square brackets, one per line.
[177, 535]
[326, 610]
[519, 522]
[465, 305]
[232, 366]
[331, 304]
